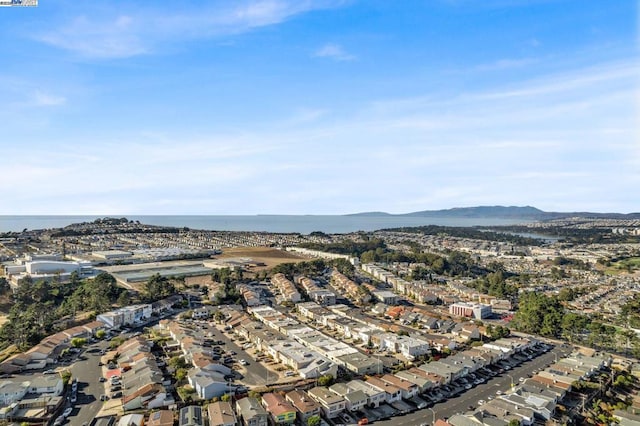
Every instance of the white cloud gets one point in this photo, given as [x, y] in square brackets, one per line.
[555, 146]
[103, 35]
[333, 51]
[47, 99]
[117, 37]
[507, 64]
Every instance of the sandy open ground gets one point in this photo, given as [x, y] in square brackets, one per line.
[267, 255]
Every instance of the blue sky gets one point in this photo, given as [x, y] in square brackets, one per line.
[319, 107]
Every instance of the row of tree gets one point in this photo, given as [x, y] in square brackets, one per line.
[546, 316]
[38, 305]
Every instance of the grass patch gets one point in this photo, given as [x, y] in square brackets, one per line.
[626, 265]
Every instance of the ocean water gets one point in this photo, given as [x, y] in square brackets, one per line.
[303, 224]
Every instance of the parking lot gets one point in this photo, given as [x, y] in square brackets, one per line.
[463, 395]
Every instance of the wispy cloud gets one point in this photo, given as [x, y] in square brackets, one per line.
[47, 99]
[506, 64]
[116, 37]
[333, 51]
[105, 35]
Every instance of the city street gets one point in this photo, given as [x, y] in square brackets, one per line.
[461, 403]
[88, 372]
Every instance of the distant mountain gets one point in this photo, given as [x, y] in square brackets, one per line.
[526, 212]
[510, 212]
[372, 214]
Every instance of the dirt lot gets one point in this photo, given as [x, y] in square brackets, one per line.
[267, 255]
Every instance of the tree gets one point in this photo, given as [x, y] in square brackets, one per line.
[514, 422]
[326, 380]
[4, 285]
[226, 397]
[177, 362]
[66, 376]
[218, 316]
[124, 299]
[181, 374]
[313, 420]
[100, 334]
[158, 287]
[78, 342]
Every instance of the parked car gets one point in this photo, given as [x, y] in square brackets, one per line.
[50, 372]
[102, 380]
[67, 412]
[116, 394]
[243, 362]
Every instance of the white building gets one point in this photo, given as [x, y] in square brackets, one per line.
[127, 315]
[470, 310]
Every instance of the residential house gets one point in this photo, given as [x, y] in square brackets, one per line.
[355, 400]
[131, 420]
[280, 410]
[332, 404]
[304, 404]
[208, 384]
[374, 396]
[407, 389]
[191, 416]
[251, 413]
[392, 393]
[421, 382]
[160, 418]
[221, 414]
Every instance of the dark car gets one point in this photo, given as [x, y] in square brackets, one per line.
[116, 394]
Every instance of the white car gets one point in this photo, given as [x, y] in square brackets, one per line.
[67, 412]
[243, 362]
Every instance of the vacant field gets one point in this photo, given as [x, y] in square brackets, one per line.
[267, 255]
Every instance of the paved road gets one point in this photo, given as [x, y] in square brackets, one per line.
[461, 403]
[88, 373]
[254, 373]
